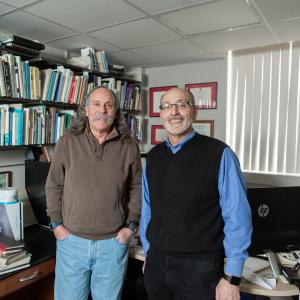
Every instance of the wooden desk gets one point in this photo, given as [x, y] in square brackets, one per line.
[281, 289]
[37, 281]
[137, 253]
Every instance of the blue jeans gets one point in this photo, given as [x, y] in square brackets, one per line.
[85, 265]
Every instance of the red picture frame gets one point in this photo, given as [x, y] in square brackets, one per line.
[205, 94]
[158, 134]
[155, 95]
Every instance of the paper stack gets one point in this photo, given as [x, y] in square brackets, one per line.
[251, 266]
[8, 195]
[12, 255]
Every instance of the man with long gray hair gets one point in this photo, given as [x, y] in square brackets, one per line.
[93, 199]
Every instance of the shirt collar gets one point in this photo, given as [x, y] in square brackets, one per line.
[178, 147]
[113, 133]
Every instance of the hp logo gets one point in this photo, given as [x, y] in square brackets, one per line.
[263, 210]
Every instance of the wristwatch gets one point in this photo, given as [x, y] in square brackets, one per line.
[232, 279]
[133, 226]
[53, 225]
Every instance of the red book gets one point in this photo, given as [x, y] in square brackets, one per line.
[10, 245]
[72, 92]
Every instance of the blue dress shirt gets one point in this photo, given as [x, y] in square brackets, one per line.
[235, 209]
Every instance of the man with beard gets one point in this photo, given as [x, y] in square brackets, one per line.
[194, 208]
[93, 199]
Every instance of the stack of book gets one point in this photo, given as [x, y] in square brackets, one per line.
[22, 45]
[13, 256]
[98, 60]
[116, 70]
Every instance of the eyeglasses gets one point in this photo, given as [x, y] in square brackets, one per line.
[180, 105]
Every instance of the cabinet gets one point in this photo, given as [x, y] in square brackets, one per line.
[33, 283]
[36, 282]
[39, 97]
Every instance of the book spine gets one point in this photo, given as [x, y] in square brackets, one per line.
[11, 63]
[27, 80]
[2, 81]
[72, 92]
[7, 79]
[51, 83]
[7, 126]
[57, 86]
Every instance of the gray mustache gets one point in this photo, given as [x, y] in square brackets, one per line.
[100, 116]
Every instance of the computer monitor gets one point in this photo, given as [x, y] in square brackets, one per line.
[275, 217]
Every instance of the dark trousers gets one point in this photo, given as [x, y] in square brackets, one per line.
[182, 278]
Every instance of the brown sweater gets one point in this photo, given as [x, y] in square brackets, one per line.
[94, 189]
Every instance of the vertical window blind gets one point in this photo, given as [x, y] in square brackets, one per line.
[263, 108]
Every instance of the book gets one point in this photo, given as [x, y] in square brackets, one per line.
[17, 40]
[45, 80]
[2, 81]
[14, 269]
[6, 76]
[4, 110]
[9, 258]
[20, 264]
[27, 80]
[7, 244]
[19, 49]
[11, 251]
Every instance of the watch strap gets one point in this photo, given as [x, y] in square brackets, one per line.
[53, 225]
[133, 226]
[232, 279]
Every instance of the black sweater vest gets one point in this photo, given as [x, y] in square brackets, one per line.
[183, 187]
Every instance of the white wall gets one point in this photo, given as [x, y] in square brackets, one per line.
[200, 72]
[14, 160]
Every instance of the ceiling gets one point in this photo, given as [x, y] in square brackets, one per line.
[153, 32]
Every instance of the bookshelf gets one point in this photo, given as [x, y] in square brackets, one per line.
[39, 96]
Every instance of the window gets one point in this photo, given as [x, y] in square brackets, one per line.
[263, 108]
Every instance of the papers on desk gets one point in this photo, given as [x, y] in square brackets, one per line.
[253, 265]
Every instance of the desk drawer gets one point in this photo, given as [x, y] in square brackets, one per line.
[26, 277]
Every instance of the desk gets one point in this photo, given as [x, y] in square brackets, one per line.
[282, 289]
[37, 280]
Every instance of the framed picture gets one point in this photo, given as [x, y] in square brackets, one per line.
[204, 127]
[158, 134]
[205, 94]
[5, 179]
[155, 95]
